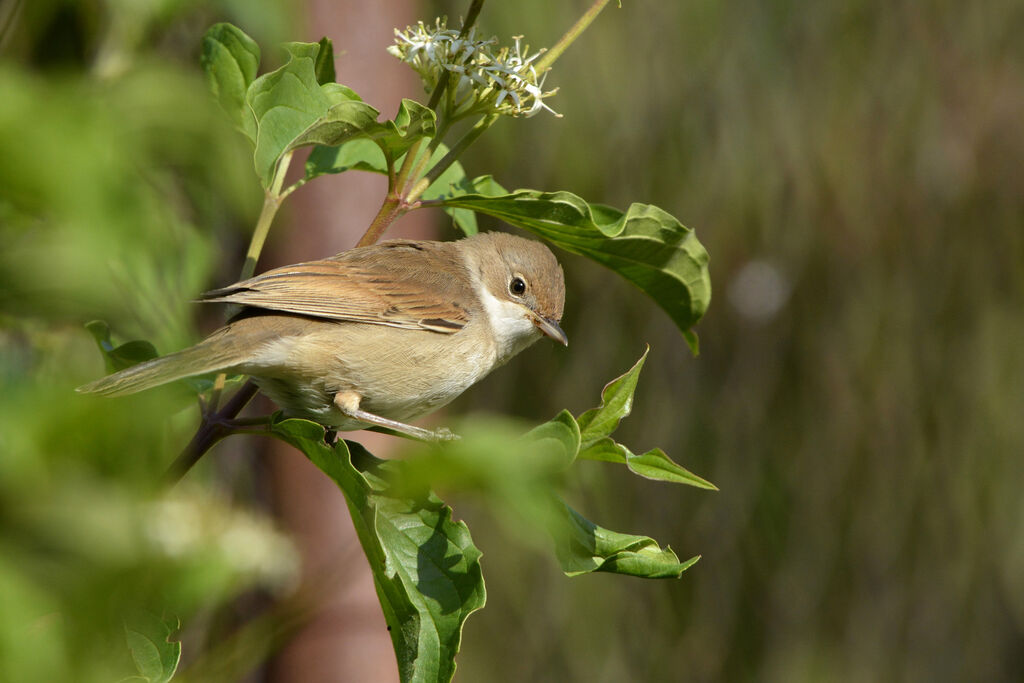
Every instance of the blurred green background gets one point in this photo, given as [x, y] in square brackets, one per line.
[855, 171]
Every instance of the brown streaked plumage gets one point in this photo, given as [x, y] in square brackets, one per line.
[400, 283]
[376, 335]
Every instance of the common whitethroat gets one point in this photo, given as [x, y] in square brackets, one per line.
[378, 335]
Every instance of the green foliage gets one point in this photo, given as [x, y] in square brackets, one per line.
[425, 566]
[645, 245]
[176, 553]
[584, 547]
[122, 356]
[115, 184]
[597, 424]
[324, 67]
[521, 474]
[865, 433]
[361, 154]
[364, 155]
[154, 653]
[413, 122]
[299, 104]
[289, 102]
[231, 60]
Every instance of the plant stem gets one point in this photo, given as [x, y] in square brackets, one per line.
[271, 203]
[440, 167]
[442, 83]
[400, 196]
[471, 15]
[214, 427]
[435, 97]
[549, 57]
[218, 389]
[409, 188]
[443, 127]
[390, 163]
[389, 211]
[211, 430]
[291, 188]
[405, 172]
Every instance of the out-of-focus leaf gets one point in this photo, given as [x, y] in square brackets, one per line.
[231, 59]
[583, 547]
[156, 656]
[558, 438]
[324, 66]
[425, 566]
[137, 351]
[645, 245]
[616, 403]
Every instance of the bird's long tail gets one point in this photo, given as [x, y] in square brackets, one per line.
[210, 355]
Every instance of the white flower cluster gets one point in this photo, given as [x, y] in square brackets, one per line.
[479, 78]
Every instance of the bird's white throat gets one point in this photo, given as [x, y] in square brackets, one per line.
[510, 322]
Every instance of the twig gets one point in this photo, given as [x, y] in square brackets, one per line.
[212, 429]
[574, 32]
[442, 82]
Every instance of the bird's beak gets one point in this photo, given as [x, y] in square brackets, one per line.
[549, 328]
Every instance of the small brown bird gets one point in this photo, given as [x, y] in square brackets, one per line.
[378, 335]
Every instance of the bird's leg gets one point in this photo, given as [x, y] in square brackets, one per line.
[348, 404]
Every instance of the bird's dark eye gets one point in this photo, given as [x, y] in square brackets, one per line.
[517, 286]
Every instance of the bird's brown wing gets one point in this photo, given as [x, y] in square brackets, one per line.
[400, 283]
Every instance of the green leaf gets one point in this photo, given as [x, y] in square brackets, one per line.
[324, 65]
[654, 464]
[123, 356]
[425, 566]
[616, 403]
[296, 105]
[413, 122]
[349, 120]
[483, 184]
[452, 183]
[361, 154]
[231, 59]
[344, 121]
[289, 101]
[558, 439]
[137, 351]
[645, 245]
[341, 136]
[583, 547]
[597, 424]
[156, 656]
[446, 185]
